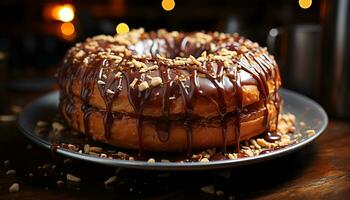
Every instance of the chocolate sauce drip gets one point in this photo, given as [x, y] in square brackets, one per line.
[258, 66]
[271, 137]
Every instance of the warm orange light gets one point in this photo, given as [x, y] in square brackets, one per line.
[305, 4]
[168, 5]
[64, 13]
[67, 29]
[122, 28]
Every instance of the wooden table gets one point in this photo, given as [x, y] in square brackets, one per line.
[319, 171]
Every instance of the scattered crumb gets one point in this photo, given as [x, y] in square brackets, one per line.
[14, 188]
[59, 182]
[110, 180]
[310, 132]
[209, 189]
[7, 118]
[72, 178]
[6, 163]
[220, 193]
[11, 172]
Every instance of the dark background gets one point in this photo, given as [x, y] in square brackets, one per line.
[29, 39]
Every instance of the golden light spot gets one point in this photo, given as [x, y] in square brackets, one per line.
[122, 28]
[168, 5]
[67, 29]
[305, 4]
[64, 13]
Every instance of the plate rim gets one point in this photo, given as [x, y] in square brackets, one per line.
[176, 166]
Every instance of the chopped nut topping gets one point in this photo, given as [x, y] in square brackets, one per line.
[118, 48]
[133, 83]
[118, 75]
[179, 62]
[143, 86]
[80, 54]
[116, 58]
[232, 156]
[204, 160]
[256, 145]
[194, 61]
[136, 63]
[155, 81]
[262, 142]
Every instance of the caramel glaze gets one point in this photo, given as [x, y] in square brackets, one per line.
[261, 68]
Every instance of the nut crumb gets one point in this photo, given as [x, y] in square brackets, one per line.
[95, 149]
[57, 127]
[72, 178]
[41, 124]
[143, 86]
[220, 193]
[59, 182]
[310, 132]
[155, 81]
[11, 172]
[151, 160]
[133, 83]
[110, 180]
[14, 188]
[209, 189]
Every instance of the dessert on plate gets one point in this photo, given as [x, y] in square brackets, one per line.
[170, 91]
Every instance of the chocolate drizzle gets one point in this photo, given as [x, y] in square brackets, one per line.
[96, 67]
